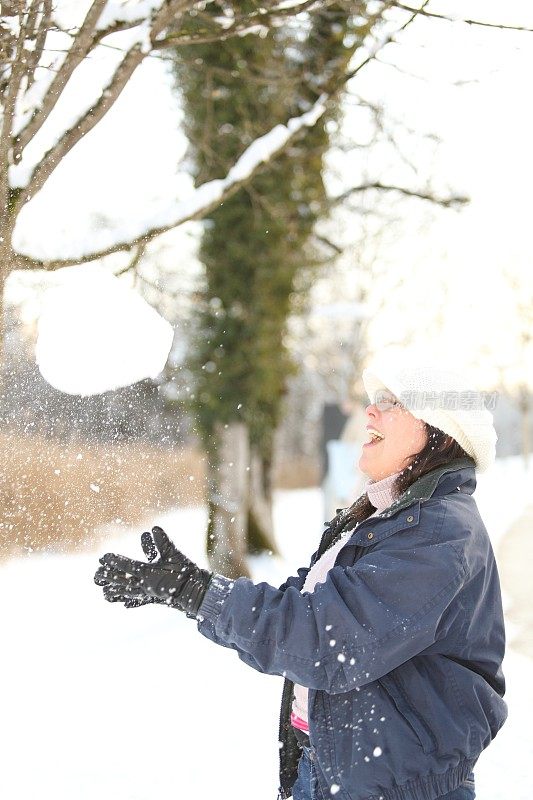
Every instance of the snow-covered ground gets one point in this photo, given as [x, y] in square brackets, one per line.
[104, 702]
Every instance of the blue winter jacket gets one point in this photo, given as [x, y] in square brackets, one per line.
[401, 647]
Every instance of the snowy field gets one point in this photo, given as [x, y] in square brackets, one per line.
[104, 702]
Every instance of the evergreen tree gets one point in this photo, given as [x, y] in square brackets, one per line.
[253, 247]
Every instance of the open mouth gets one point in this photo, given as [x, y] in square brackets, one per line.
[375, 437]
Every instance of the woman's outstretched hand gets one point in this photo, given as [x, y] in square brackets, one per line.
[172, 579]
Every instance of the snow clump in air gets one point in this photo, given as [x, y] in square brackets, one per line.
[95, 334]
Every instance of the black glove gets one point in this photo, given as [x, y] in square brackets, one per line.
[130, 599]
[173, 580]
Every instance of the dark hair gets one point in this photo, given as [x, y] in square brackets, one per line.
[439, 449]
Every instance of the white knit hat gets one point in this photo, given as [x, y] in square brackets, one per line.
[441, 397]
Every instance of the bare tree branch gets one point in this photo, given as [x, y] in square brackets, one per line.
[181, 40]
[74, 57]
[134, 262]
[40, 40]
[378, 113]
[245, 23]
[95, 113]
[447, 202]
[328, 243]
[116, 27]
[467, 21]
[8, 110]
[389, 38]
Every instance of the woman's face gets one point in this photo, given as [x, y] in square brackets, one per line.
[403, 436]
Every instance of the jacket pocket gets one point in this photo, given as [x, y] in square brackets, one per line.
[422, 732]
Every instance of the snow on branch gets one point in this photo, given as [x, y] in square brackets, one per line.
[230, 25]
[164, 17]
[130, 11]
[30, 181]
[203, 199]
[39, 83]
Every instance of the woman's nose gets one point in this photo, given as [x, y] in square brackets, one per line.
[372, 410]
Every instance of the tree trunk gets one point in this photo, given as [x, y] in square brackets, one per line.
[228, 501]
[260, 520]
[2, 318]
[5, 267]
[526, 433]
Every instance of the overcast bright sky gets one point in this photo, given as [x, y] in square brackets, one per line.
[487, 130]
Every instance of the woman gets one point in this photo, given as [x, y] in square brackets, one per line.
[391, 641]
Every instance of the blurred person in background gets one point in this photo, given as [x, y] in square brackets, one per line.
[391, 640]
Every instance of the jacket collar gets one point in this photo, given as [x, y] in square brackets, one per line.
[457, 474]
[442, 480]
